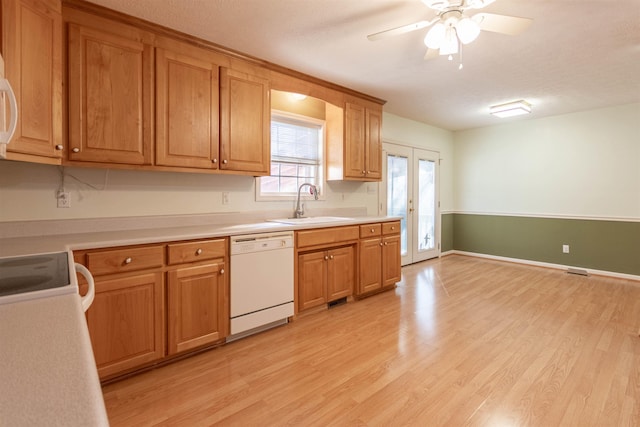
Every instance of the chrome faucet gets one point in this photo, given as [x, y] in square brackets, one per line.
[299, 212]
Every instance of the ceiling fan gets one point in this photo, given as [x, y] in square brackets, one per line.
[452, 27]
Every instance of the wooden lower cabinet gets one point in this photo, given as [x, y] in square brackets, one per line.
[370, 263]
[126, 322]
[391, 261]
[340, 273]
[154, 301]
[380, 262]
[196, 301]
[325, 276]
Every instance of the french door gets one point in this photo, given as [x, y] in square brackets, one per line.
[411, 192]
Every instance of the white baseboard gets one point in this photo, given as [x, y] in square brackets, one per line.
[546, 264]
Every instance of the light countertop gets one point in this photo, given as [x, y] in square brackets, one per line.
[48, 374]
[17, 246]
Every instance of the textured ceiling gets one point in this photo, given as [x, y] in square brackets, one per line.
[577, 55]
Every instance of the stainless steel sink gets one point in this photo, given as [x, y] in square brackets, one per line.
[311, 220]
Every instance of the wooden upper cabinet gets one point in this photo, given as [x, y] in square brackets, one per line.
[363, 143]
[354, 142]
[110, 97]
[373, 144]
[32, 51]
[354, 132]
[187, 99]
[245, 127]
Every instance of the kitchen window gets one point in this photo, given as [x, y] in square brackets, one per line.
[296, 156]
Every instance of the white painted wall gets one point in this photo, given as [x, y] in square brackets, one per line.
[399, 130]
[580, 164]
[27, 192]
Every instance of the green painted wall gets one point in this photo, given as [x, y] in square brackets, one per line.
[446, 242]
[601, 245]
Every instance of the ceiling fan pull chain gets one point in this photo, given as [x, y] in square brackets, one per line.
[460, 55]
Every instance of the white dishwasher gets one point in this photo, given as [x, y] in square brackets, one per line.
[261, 282]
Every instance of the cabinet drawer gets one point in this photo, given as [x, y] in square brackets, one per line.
[180, 253]
[391, 227]
[369, 230]
[323, 236]
[125, 259]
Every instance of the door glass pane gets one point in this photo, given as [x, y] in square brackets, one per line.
[397, 176]
[426, 204]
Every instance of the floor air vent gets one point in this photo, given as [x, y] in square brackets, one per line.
[577, 271]
[337, 302]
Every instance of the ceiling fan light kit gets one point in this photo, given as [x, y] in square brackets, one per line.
[467, 30]
[451, 28]
[510, 109]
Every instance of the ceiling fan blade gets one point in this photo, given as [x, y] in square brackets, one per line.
[401, 30]
[431, 53]
[510, 25]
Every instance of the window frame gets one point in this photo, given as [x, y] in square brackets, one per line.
[322, 179]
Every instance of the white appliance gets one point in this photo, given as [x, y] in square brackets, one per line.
[261, 282]
[42, 275]
[6, 94]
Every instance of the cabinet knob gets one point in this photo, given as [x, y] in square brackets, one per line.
[373, 230]
[368, 172]
[330, 256]
[224, 161]
[386, 243]
[59, 147]
[199, 251]
[222, 271]
[393, 227]
[364, 172]
[326, 257]
[128, 260]
[380, 243]
[76, 150]
[214, 160]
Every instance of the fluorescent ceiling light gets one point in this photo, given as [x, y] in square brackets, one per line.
[511, 109]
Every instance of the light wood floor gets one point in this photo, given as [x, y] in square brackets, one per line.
[461, 341]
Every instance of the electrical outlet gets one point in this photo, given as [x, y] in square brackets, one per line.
[64, 199]
[565, 249]
[225, 197]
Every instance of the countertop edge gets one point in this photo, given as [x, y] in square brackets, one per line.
[20, 246]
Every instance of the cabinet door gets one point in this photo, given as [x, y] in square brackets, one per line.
[340, 273]
[32, 50]
[391, 264]
[126, 322]
[186, 111]
[245, 111]
[373, 145]
[354, 141]
[197, 306]
[110, 99]
[370, 261]
[312, 279]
